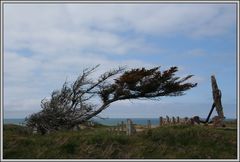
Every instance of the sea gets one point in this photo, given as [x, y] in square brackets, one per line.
[105, 121]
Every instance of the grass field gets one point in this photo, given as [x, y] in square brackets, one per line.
[167, 142]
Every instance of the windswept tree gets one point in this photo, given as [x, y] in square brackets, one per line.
[73, 105]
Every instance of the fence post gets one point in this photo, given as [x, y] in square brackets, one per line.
[168, 120]
[217, 95]
[122, 126]
[185, 120]
[178, 119]
[160, 121]
[129, 127]
[149, 124]
[173, 120]
[118, 128]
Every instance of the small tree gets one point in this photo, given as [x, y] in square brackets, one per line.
[71, 105]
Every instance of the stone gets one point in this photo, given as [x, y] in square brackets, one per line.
[217, 121]
[196, 119]
[185, 120]
[191, 121]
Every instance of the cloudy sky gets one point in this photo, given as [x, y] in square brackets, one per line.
[45, 44]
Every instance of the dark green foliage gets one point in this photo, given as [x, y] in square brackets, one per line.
[70, 147]
[147, 83]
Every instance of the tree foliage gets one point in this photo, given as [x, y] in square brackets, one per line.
[72, 105]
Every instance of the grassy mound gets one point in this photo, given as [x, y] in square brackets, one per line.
[169, 142]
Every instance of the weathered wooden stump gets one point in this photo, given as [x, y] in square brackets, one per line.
[130, 127]
[173, 120]
[167, 120]
[149, 124]
[160, 121]
[122, 126]
[118, 128]
[217, 103]
[178, 119]
[185, 120]
[217, 95]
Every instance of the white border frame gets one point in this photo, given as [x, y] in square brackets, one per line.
[118, 2]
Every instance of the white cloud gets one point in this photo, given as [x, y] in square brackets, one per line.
[18, 68]
[64, 39]
[162, 19]
[83, 25]
[28, 78]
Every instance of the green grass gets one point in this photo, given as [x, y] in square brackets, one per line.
[169, 142]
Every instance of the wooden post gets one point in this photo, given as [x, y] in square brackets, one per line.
[118, 128]
[178, 119]
[122, 126]
[160, 121]
[185, 120]
[173, 120]
[149, 124]
[217, 99]
[129, 127]
[167, 120]
[181, 120]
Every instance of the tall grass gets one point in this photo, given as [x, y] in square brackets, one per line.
[174, 142]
